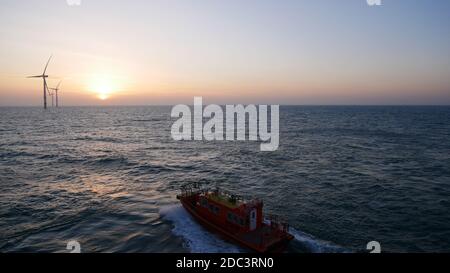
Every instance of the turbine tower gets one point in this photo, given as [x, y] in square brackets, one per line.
[53, 98]
[43, 76]
[56, 89]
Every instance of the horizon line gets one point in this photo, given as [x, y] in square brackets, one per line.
[310, 105]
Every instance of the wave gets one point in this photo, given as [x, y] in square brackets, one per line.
[315, 245]
[12, 154]
[196, 238]
[146, 120]
[99, 139]
[109, 160]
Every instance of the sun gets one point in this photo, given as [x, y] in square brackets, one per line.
[103, 92]
[103, 87]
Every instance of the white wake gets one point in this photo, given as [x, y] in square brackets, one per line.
[199, 240]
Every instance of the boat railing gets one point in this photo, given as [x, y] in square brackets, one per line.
[194, 188]
[191, 189]
[234, 198]
[277, 222]
[254, 201]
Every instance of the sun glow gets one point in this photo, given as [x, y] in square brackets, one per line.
[103, 92]
[103, 87]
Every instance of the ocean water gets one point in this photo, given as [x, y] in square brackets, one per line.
[107, 177]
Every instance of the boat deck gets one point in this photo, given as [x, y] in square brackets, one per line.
[263, 236]
[223, 200]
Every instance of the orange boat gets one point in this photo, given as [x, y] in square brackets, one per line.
[236, 219]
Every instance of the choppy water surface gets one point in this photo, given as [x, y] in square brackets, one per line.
[108, 177]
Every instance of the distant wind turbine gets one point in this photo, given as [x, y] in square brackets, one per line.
[51, 94]
[56, 89]
[43, 76]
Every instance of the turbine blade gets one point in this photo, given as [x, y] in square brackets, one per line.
[34, 77]
[47, 64]
[57, 87]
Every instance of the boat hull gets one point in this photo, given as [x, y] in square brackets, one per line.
[276, 246]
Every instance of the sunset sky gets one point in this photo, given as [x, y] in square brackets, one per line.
[230, 51]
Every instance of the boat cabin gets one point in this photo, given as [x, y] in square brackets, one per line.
[227, 210]
[230, 210]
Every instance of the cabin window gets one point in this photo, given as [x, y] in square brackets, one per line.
[213, 209]
[230, 216]
[216, 210]
[235, 219]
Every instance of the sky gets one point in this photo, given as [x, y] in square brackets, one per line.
[150, 52]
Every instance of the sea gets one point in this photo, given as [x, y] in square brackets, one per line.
[107, 178]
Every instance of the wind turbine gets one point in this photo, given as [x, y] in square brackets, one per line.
[53, 98]
[56, 89]
[43, 76]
